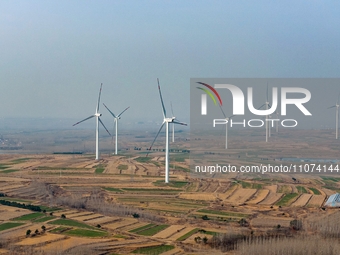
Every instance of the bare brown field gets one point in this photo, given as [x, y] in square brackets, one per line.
[120, 224]
[271, 199]
[302, 200]
[241, 196]
[198, 196]
[316, 200]
[259, 196]
[271, 222]
[41, 239]
[169, 231]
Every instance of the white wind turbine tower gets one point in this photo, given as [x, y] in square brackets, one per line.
[266, 104]
[226, 127]
[116, 118]
[166, 121]
[97, 116]
[336, 117]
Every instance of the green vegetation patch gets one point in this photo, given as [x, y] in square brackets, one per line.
[9, 225]
[29, 216]
[315, 191]
[3, 166]
[113, 189]
[85, 233]
[174, 184]
[20, 160]
[123, 167]
[301, 189]
[228, 214]
[327, 178]
[142, 228]
[71, 223]
[43, 219]
[187, 235]
[286, 199]
[49, 209]
[99, 170]
[154, 250]
[154, 191]
[9, 171]
[152, 231]
[143, 159]
[284, 189]
[248, 185]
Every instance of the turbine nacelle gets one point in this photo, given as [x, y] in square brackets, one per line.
[97, 114]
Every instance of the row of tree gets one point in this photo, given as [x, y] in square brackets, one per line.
[19, 205]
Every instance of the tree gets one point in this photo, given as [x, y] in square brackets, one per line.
[63, 216]
[43, 228]
[99, 226]
[205, 240]
[205, 217]
[36, 231]
[28, 232]
[135, 215]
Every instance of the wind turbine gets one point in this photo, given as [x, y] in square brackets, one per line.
[166, 121]
[116, 118]
[97, 116]
[336, 117]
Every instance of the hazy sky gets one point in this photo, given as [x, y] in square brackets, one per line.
[55, 54]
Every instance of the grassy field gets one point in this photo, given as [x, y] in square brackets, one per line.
[153, 230]
[70, 223]
[85, 233]
[228, 214]
[9, 171]
[174, 184]
[301, 189]
[9, 225]
[31, 216]
[100, 169]
[142, 228]
[43, 219]
[247, 185]
[113, 189]
[315, 191]
[286, 199]
[187, 235]
[154, 250]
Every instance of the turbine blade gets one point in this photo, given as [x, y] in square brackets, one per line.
[109, 111]
[223, 112]
[100, 91]
[104, 126]
[261, 106]
[172, 110]
[155, 138]
[331, 107]
[231, 116]
[267, 92]
[123, 112]
[160, 95]
[84, 120]
[180, 123]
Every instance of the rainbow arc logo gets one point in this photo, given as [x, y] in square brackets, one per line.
[211, 92]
